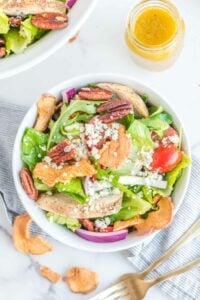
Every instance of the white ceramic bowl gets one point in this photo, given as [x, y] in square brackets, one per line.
[58, 232]
[46, 46]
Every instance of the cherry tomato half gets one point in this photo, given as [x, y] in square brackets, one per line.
[166, 158]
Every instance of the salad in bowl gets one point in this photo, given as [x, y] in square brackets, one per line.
[102, 161]
[26, 21]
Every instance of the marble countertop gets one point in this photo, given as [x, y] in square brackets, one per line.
[100, 47]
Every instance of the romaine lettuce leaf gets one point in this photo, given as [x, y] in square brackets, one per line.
[15, 42]
[40, 186]
[33, 147]
[158, 121]
[172, 176]
[131, 207]
[165, 117]
[29, 31]
[140, 135]
[127, 121]
[4, 23]
[74, 189]
[85, 106]
[70, 223]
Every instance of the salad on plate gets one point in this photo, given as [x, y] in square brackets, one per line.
[22, 22]
[102, 161]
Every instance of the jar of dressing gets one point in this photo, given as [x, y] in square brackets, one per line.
[155, 34]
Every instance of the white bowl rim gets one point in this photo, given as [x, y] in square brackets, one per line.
[44, 55]
[90, 246]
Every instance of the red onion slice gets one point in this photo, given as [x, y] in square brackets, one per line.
[68, 94]
[102, 237]
[70, 3]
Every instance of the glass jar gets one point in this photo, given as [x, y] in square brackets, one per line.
[155, 34]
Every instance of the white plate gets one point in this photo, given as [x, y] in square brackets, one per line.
[58, 232]
[50, 43]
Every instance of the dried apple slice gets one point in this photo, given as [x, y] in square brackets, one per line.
[114, 153]
[24, 241]
[81, 280]
[46, 107]
[50, 176]
[50, 275]
[156, 220]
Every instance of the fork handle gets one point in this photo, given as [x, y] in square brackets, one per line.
[178, 271]
[190, 233]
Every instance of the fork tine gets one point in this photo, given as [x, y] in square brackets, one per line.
[110, 291]
[119, 294]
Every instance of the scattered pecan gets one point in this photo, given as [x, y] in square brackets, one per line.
[2, 52]
[50, 20]
[27, 183]
[114, 116]
[62, 152]
[95, 93]
[15, 21]
[115, 105]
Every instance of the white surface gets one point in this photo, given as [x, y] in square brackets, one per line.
[59, 232]
[99, 48]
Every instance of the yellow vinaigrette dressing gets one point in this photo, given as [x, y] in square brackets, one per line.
[155, 33]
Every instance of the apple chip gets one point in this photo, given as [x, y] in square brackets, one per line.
[81, 280]
[50, 175]
[24, 241]
[49, 274]
[114, 153]
[155, 220]
[45, 108]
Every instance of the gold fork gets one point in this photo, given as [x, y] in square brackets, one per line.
[133, 286]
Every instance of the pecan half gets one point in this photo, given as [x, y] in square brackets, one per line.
[114, 116]
[15, 21]
[50, 20]
[2, 41]
[27, 183]
[95, 94]
[2, 52]
[115, 105]
[62, 152]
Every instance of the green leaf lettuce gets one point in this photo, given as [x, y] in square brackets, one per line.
[33, 147]
[70, 223]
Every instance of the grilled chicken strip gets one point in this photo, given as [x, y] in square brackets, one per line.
[64, 205]
[32, 7]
